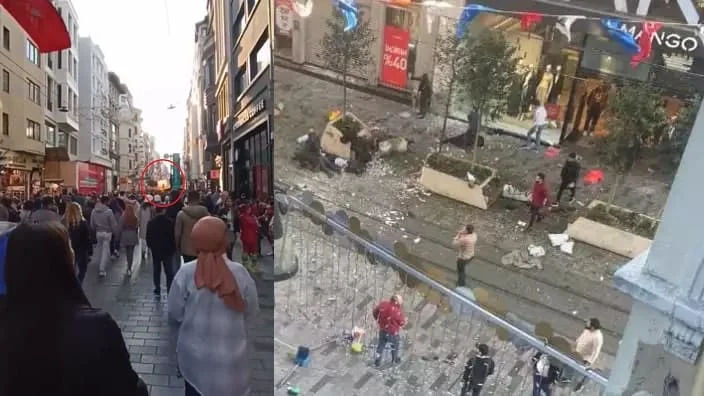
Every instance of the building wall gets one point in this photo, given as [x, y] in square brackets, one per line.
[219, 17]
[65, 92]
[94, 104]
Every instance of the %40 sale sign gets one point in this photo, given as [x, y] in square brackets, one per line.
[394, 70]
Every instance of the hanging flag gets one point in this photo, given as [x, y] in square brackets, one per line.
[468, 14]
[564, 25]
[530, 19]
[613, 30]
[645, 41]
[42, 23]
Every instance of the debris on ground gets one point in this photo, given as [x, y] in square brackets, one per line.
[536, 251]
[521, 259]
[558, 239]
[567, 247]
[393, 145]
[511, 192]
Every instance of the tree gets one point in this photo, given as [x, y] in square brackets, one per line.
[676, 136]
[488, 68]
[449, 60]
[344, 51]
[636, 113]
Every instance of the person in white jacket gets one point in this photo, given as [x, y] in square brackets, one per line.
[588, 346]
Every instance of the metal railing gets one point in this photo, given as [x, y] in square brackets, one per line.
[336, 272]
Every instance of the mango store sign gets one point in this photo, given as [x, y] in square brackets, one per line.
[666, 38]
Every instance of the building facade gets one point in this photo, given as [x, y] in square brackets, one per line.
[563, 74]
[22, 119]
[94, 120]
[129, 132]
[61, 107]
[116, 91]
[248, 145]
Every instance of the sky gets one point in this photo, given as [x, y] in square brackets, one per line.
[150, 45]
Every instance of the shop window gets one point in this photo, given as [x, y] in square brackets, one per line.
[606, 56]
[406, 20]
[260, 57]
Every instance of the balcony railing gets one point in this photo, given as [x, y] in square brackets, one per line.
[334, 272]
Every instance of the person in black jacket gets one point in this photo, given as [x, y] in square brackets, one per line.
[478, 368]
[160, 240]
[52, 342]
[569, 177]
[80, 237]
[545, 374]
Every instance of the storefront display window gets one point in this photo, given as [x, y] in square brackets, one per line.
[14, 182]
[399, 47]
[602, 55]
[254, 164]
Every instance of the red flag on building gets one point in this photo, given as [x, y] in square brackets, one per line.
[42, 23]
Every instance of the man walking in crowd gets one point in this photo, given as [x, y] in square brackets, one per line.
[588, 346]
[160, 240]
[464, 242]
[545, 374]
[540, 119]
[47, 212]
[185, 220]
[390, 318]
[478, 368]
[568, 177]
[538, 200]
[103, 222]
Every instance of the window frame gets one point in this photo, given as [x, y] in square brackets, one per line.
[36, 130]
[5, 124]
[32, 53]
[34, 93]
[5, 80]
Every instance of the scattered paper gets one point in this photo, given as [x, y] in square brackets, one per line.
[471, 179]
[567, 247]
[512, 192]
[536, 251]
[416, 241]
[558, 239]
[522, 223]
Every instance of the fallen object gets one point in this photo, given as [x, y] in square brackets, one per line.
[594, 176]
[552, 152]
[521, 259]
[303, 139]
[558, 239]
[567, 247]
[536, 251]
[512, 192]
[393, 145]
[341, 162]
[471, 179]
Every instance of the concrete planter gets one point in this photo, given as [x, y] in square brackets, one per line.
[330, 140]
[610, 238]
[480, 195]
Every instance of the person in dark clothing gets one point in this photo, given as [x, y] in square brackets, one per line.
[478, 368]
[545, 374]
[425, 95]
[44, 212]
[172, 211]
[13, 215]
[539, 199]
[160, 240]
[569, 177]
[48, 326]
[80, 237]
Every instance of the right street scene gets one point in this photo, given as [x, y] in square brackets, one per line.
[494, 198]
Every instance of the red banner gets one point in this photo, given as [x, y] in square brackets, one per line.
[91, 178]
[215, 174]
[394, 69]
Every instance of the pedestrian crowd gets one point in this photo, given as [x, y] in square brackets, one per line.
[53, 341]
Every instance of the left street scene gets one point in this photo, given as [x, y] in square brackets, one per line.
[133, 260]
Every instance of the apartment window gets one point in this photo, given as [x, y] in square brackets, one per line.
[50, 61]
[250, 5]
[58, 10]
[5, 81]
[75, 101]
[6, 38]
[260, 57]
[75, 68]
[238, 25]
[240, 81]
[49, 93]
[73, 146]
[50, 135]
[130, 164]
[60, 60]
[34, 130]
[129, 149]
[33, 93]
[129, 132]
[61, 139]
[32, 53]
[59, 95]
[69, 60]
[5, 124]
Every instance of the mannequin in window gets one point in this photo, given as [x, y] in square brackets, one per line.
[545, 85]
[514, 99]
[526, 87]
[556, 88]
[596, 102]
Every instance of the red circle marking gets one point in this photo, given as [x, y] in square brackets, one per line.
[181, 192]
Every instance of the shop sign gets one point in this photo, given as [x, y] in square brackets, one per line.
[249, 113]
[91, 178]
[394, 69]
[284, 16]
[215, 174]
[664, 38]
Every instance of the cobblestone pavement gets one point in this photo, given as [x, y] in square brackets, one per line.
[150, 340]
[387, 204]
[336, 290]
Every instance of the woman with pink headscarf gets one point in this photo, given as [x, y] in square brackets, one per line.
[211, 300]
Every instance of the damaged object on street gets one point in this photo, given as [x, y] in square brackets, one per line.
[521, 259]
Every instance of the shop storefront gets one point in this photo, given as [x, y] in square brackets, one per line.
[399, 44]
[21, 174]
[252, 159]
[91, 178]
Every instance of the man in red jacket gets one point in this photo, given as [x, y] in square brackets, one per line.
[390, 318]
[538, 201]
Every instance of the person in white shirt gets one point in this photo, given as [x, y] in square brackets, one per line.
[464, 242]
[588, 346]
[540, 119]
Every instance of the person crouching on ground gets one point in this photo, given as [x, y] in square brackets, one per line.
[539, 200]
[390, 318]
[212, 298]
